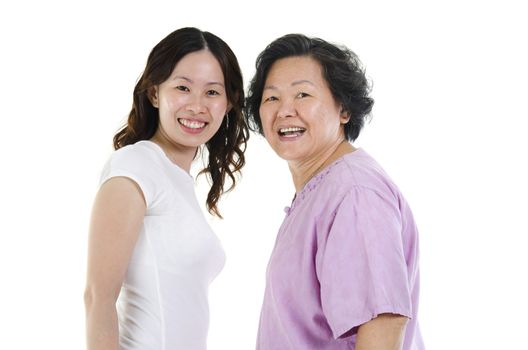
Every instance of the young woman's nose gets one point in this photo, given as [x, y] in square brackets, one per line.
[195, 104]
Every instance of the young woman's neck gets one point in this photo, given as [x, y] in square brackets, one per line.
[303, 171]
[180, 155]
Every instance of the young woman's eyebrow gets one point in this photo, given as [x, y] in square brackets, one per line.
[191, 81]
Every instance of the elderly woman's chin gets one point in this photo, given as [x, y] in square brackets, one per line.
[289, 151]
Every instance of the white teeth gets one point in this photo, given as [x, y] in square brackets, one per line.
[191, 124]
[293, 129]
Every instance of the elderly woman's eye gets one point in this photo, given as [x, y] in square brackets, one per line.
[302, 94]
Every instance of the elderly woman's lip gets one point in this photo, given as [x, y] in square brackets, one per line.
[291, 131]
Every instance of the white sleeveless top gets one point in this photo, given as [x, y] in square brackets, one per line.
[163, 301]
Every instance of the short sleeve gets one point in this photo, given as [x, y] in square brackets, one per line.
[360, 262]
[135, 164]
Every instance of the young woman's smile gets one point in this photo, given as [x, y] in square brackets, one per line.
[192, 102]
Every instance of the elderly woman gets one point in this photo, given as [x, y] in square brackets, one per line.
[344, 270]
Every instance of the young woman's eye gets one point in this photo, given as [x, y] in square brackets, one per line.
[212, 93]
[182, 88]
[270, 98]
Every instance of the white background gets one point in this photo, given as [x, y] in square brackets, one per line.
[449, 125]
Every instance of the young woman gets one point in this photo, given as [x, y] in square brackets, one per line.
[150, 247]
[344, 270]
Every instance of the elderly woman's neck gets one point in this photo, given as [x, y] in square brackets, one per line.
[304, 171]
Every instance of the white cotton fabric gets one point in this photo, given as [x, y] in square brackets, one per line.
[163, 302]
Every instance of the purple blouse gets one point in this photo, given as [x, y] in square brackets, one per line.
[346, 252]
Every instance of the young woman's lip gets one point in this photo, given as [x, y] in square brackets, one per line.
[190, 130]
[194, 119]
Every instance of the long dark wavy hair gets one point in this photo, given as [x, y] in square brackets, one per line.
[226, 148]
[342, 70]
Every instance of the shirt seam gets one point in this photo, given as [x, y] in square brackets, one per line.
[158, 292]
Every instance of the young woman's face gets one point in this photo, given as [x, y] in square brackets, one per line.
[192, 102]
[299, 115]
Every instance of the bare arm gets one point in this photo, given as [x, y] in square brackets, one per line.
[385, 332]
[117, 216]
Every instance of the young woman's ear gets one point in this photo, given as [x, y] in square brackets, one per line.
[344, 116]
[153, 96]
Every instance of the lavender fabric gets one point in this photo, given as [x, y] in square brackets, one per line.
[346, 252]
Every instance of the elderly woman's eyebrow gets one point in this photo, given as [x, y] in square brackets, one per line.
[297, 82]
[303, 81]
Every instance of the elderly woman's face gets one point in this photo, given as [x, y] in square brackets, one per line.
[300, 117]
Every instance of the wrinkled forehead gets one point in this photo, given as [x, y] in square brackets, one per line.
[294, 70]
